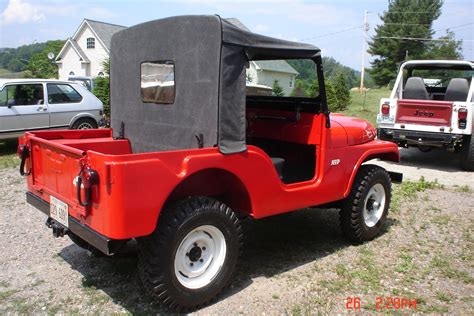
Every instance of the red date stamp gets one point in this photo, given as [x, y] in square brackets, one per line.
[382, 303]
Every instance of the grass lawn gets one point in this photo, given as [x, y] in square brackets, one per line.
[366, 105]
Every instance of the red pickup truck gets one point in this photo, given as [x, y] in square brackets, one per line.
[189, 155]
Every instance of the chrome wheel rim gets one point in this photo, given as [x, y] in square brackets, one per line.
[374, 205]
[200, 257]
[85, 125]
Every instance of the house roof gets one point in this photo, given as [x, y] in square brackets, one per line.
[79, 50]
[75, 46]
[275, 65]
[104, 30]
[270, 65]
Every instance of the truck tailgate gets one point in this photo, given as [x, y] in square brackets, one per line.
[425, 112]
[54, 169]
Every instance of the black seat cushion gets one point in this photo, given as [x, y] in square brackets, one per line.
[278, 163]
[415, 89]
[457, 90]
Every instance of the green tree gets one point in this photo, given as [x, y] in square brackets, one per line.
[301, 86]
[446, 48]
[312, 89]
[403, 19]
[331, 96]
[102, 87]
[342, 92]
[40, 66]
[277, 89]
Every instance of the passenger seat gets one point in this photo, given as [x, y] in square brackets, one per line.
[278, 163]
[457, 90]
[415, 89]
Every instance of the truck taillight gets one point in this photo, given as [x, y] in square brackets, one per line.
[462, 117]
[462, 114]
[385, 109]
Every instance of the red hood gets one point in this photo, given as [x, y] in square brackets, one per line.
[358, 131]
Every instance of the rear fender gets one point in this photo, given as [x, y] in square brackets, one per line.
[221, 184]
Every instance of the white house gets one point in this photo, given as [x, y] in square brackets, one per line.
[84, 52]
[264, 73]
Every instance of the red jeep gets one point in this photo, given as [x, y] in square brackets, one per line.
[189, 155]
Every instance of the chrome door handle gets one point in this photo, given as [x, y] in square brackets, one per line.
[41, 108]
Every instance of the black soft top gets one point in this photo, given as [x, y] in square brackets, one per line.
[210, 55]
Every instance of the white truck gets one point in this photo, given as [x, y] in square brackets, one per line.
[431, 106]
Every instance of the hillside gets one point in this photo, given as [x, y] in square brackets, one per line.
[16, 59]
[332, 69]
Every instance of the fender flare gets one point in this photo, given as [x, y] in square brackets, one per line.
[82, 115]
[381, 153]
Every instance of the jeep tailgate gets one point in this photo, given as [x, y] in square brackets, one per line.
[425, 112]
[54, 167]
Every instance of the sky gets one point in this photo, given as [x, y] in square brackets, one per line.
[334, 26]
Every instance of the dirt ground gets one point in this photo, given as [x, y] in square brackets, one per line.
[292, 264]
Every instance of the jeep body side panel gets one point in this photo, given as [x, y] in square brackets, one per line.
[133, 188]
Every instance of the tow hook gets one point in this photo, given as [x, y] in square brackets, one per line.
[24, 153]
[58, 229]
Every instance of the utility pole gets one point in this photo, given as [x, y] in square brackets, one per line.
[362, 69]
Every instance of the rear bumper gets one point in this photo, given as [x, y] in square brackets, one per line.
[409, 137]
[106, 245]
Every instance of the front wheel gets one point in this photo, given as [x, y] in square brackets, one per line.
[365, 210]
[192, 254]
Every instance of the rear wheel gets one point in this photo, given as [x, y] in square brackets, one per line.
[365, 210]
[85, 123]
[467, 154]
[192, 254]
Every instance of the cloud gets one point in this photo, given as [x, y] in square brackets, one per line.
[261, 28]
[99, 13]
[21, 12]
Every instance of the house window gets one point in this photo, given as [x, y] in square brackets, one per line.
[71, 73]
[90, 42]
[62, 93]
[157, 82]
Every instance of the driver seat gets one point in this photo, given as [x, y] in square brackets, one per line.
[415, 89]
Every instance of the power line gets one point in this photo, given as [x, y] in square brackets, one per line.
[422, 39]
[333, 33]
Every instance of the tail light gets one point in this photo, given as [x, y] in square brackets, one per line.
[385, 109]
[462, 117]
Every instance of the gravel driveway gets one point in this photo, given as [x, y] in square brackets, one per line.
[296, 263]
[437, 164]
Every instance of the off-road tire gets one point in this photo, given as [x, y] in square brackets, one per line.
[85, 123]
[353, 224]
[159, 251]
[467, 154]
[85, 245]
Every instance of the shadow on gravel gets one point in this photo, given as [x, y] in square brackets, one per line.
[272, 246]
[8, 147]
[437, 159]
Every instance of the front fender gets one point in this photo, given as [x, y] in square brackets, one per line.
[382, 150]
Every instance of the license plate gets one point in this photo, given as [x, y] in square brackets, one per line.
[58, 210]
